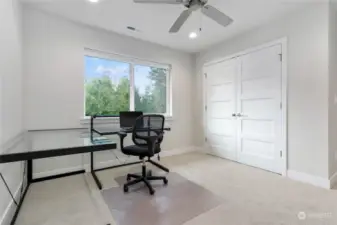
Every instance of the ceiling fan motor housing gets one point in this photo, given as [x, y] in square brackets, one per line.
[195, 4]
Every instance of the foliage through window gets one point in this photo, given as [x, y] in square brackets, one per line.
[112, 86]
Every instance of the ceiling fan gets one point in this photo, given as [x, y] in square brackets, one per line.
[193, 5]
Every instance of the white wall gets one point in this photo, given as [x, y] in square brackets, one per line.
[54, 75]
[11, 68]
[307, 33]
[53, 85]
[333, 88]
[11, 96]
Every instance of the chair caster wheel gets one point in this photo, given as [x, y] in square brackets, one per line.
[152, 192]
[128, 178]
[149, 173]
[165, 181]
[126, 189]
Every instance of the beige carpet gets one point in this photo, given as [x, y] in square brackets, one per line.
[254, 196]
[251, 196]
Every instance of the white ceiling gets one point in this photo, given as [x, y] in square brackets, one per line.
[154, 20]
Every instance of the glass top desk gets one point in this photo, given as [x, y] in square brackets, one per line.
[55, 143]
[47, 144]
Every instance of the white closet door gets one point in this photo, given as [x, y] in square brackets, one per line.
[221, 126]
[259, 103]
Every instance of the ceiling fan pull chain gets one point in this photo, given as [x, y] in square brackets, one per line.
[200, 28]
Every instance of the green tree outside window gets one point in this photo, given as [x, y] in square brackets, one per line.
[105, 97]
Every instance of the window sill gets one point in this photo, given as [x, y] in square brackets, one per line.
[111, 120]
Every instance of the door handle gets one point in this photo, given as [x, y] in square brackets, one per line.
[241, 115]
[234, 115]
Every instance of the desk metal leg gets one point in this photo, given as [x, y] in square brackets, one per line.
[29, 171]
[98, 183]
[29, 177]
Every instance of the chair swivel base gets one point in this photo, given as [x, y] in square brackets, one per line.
[158, 165]
[146, 178]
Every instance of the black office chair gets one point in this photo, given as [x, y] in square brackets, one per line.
[147, 134]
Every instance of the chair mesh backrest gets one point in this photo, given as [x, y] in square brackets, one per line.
[147, 126]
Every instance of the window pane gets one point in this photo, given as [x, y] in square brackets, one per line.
[150, 89]
[107, 86]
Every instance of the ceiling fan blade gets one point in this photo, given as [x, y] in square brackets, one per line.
[160, 1]
[217, 15]
[180, 21]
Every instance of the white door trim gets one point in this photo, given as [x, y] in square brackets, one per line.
[284, 89]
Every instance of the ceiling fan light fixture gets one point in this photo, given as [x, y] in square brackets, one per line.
[193, 35]
[192, 6]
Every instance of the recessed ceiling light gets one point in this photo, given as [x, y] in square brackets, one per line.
[93, 1]
[193, 35]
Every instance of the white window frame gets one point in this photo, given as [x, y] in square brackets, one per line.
[132, 63]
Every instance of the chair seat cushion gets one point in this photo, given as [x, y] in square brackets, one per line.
[140, 151]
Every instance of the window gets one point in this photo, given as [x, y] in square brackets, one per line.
[112, 86]
[150, 89]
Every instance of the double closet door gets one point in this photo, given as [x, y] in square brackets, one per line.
[243, 116]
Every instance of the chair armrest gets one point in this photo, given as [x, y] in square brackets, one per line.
[160, 135]
[151, 141]
[122, 135]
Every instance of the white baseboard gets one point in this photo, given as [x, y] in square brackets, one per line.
[99, 165]
[310, 179]
[178, 151]
[86, 167]
[201, 149]
[57, 171]
[333, 180]
[10, 210]
[114, 162]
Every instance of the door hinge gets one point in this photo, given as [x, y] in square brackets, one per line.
[205, 107]
[205, 75]
[205, 139]
[281, 57]
[280, 105]
[281, 154]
